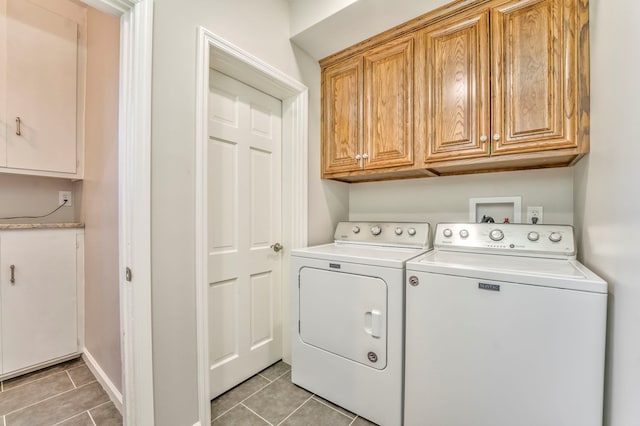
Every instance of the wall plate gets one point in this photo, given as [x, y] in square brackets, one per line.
[497, 207]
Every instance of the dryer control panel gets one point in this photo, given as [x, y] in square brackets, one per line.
[507, 238]
[397, 234]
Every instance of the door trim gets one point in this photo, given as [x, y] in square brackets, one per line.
[215, 52]
[134, 199]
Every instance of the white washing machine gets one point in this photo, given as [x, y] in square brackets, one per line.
[504, 328]
[348, 313]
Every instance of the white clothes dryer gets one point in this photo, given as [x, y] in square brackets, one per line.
[348, 313]
[504, 327]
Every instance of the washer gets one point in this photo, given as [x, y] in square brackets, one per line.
[348, 311]
[504, 327]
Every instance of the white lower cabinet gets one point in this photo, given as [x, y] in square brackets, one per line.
[38, 296]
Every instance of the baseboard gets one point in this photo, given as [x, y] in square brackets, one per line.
[114, 394]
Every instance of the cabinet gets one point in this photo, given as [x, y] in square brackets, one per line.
[367, 110]
[38, 297]
[41, 75]
[502, 88]
[472, 87]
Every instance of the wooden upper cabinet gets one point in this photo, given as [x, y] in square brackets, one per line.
[472, 87]
[341, 115]
[388, 104]
[533, 76]
[456, 87]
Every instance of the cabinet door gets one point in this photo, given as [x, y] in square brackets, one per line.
[388, 104]
[457, 84]
[531, 107]
[39, 309]
[41, 89]
[341, 115]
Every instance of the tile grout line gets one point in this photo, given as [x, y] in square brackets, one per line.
[48, 398]
[327, 405]
[91, 417]
[243, 400]
[69, 418]
[240, 402]
[353, 421]
[264, 377]
[292, 413]
[72, 382]
[268, 422]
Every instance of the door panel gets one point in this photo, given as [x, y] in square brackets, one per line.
[244, 192]
[345, 314]
[388, 100]
[528, 70]
[342, 112]
[42, 49]
[457, 69]
[39, 315]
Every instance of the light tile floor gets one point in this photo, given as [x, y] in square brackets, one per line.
[65, 394]
[269, 398]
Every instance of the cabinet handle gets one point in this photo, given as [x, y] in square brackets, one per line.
[358, 157]
[13, 274]
[18, 132]
[365, 155]
[483, 138]
[496, 137]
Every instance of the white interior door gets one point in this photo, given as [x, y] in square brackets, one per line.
[244, 218]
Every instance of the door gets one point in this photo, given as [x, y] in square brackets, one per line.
[244, 221]
[388, 105]
[42, 58]
[39, 315]
[457, 75]
[345, 314]
[528, 77]
[342, 116]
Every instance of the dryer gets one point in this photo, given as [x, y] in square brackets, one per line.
[348, 312]
[504, 327]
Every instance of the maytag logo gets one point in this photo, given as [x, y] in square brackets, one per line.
[334, 265]
[492, 287]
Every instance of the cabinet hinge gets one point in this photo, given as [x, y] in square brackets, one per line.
[127, 274]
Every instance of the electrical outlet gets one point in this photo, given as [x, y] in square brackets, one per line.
[534, 212]
[65, 195]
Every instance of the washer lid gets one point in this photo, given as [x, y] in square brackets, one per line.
[389, 257]
[558, 273]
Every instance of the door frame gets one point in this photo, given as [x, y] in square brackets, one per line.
[217, 53]
[134, 199]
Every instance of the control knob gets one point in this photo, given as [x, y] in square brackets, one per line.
[356, 229]
[398, 231]
[411, 231]
[555, 237]
[496, 235]
[376, 230]
[464, 233]
[533, 236]
[447, 233]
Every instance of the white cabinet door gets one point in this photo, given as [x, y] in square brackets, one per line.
[39, 308]
[42, 62]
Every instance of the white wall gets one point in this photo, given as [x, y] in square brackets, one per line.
[33, 196]
[260, 27]
[607, 198]
[446, 199]
[99, 191]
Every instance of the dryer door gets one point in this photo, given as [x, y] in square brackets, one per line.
[345, 314]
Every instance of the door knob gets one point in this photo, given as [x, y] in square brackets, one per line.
[276, 247]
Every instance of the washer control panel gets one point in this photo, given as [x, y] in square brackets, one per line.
[513, 238]
[401, 234]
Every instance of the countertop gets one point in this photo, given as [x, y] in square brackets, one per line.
[62, 225]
